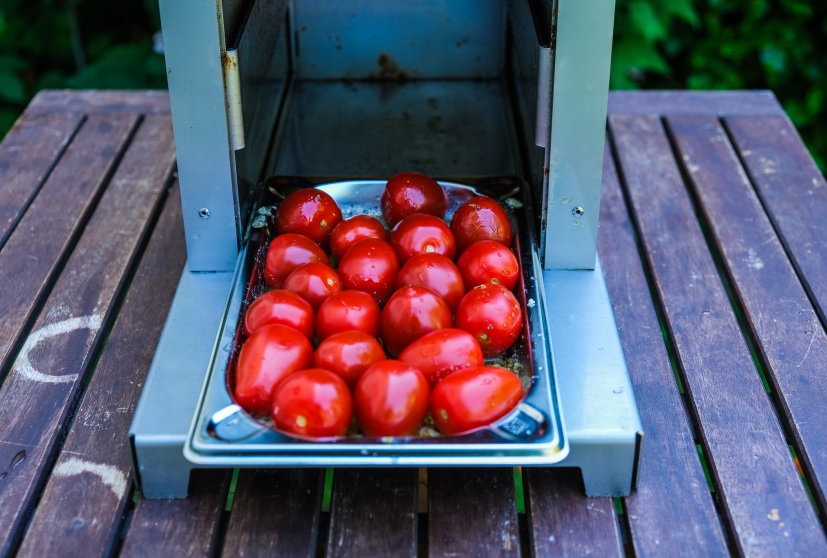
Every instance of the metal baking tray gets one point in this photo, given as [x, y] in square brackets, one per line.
[223, 434]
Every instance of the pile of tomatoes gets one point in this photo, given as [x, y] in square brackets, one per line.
[402, 325]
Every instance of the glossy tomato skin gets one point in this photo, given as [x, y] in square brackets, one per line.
[480, 218]
[492, 314]
[314, 402]
[422, 234]
[474, 397]
[352, 230]
[314, 282]
[443, 352]
[410, 313]
[280, 307]
[309, 212]
[407, 193]
[488, 261]
[287, 252]
[347, 310]
[266, 358]
[435, 272]
[348, 354]
[391, 399]
[370, 266]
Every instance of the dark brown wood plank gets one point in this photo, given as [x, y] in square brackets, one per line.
[671, 487]
[764, 500]
[373, 513]
[472, 512]
[27, 156]
[275, 513]
[722, 103]
[56, 358]
[81, 507]
[94, 102]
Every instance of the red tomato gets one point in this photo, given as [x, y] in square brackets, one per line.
[287, 252]
[314, 282]
[422, 234]
[391, 399]
[488, 261]
[348, 354]
[474, 397]
[480, 218]
[370, 266]
[280, 307]
[314, 403]
[492, 314]
[266, 358]
[410, 313]
[310, 212]
[443, 352]
[435, 272]
[347, 310]
[349, 231]
[409, 192]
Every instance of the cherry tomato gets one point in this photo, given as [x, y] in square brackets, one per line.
[410, 192]
[348, 354]
[474, 397]
[370, 266]
[347, 310]
[266, 358]
[480, 218]
[410, 313]
[287, 252]
[349, 231]
[422, 234]
[314, 403]
[309, 212]
[391, 399]
[280, 307]
[314, 282]
[488, 261]
[492, 314]
[435, 272]
[442, 352]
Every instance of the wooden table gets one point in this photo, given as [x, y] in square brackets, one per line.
[714, 245]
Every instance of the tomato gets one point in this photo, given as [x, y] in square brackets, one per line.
[492, 314]
[349, 231]
[348, 354]
[267, 357]
[314, 403]
[287, 252]
[314, 282]
[480, 218]
[370, 266]
[280, 307]
[443, 352]
[474, 397]
[422, 234]
[407, 193]
[435, 272]
[347, 310]
[410, 313]
[488, 261]
[309, 212]
[391, 399]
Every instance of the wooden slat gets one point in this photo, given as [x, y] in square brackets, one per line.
[52, 365]
[723, 103]
[764, 499]
[94, 102]
[472, 512]
[671, 487]
[373, 513]
[80, 510]
[275, 513]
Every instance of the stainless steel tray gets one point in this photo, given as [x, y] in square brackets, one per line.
[222, 434]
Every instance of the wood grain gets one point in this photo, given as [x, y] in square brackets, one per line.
[96, 102]
[723, 103]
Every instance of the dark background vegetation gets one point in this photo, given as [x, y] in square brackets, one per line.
[659, 44]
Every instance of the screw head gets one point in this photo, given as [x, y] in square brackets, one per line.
[204, 213]
[578, 211]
